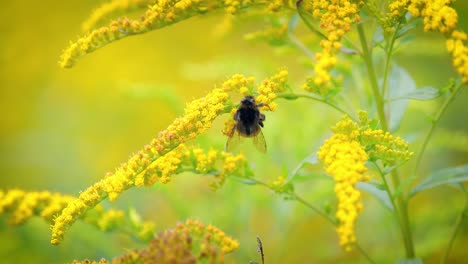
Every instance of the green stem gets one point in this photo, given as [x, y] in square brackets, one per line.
[388, 190]
[401, 210]
[301, 46]
[364, 253]
[315, 209]
[389, 51]
[367, 56]
[456, 229]
[329, 219]
[435, 121]
[404, 220]
[293, 96]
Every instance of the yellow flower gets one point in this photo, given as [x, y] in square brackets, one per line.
[113, 8]
[457, 47]
[268, 89]
[336, 18]
[199, 115]
[158, 15]
[189, 242]
[24, 205]
[165, 155]
[345, 160]
[439, 16]
[345, 155]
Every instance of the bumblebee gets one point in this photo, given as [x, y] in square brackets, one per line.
[249, 123]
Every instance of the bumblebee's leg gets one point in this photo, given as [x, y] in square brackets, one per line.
[260, 123]
[262, 117]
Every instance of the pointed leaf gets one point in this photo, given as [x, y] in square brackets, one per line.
[377, 192]
[399, 84]
[422, 94]
[311, 159]
[445, 176]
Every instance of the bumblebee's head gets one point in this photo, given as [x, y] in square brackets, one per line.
[248, 101]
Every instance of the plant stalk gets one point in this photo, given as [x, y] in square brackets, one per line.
[367, 56]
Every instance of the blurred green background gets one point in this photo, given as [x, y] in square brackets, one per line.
[62, 130]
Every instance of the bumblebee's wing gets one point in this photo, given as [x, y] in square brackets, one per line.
[233, 141]
[259, 141]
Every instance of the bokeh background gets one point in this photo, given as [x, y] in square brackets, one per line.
[63, 129]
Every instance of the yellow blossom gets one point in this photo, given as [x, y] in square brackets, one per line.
[336, 18]
[23, 205]
[458, 48]
[439, 16]
[345, 160]
[165, 155]
[113, 8]
[158, 15]
[268, 89]
[345, 155]
[201, 112]
[190, 242]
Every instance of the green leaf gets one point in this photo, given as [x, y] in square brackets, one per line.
[400, 83]
[376, 191]
[409, 26]
[245, 180]
[422, 94]
[441, 177]
[311, 159]
[410, 261]
[378, 38]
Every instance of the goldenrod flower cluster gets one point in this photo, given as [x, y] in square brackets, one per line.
[458, 48]
[157, 161]
[113, 8]
[336, 18]
[280, 185]
[396, 10]
[210, 235]
[160, 14]
[179, 246]
[24, 205]
[220, 163]
[269, 88]
[378, 144]
[345, 159]
[439, 16]
[345, 155]
[384, 146]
